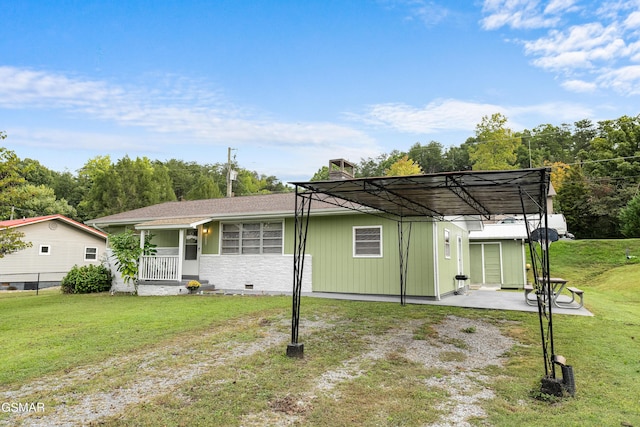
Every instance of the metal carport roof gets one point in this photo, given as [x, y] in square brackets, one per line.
[443, 194]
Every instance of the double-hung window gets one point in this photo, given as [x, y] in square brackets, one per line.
[251, 238]
[367, 241]
[90, 254]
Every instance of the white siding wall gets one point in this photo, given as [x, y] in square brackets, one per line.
[67, 248]
[268, 273]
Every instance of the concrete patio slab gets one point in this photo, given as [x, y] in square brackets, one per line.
[480, 298]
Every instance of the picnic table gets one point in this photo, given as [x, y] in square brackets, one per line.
[557, 286]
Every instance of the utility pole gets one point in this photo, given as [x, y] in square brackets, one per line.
[231, 174]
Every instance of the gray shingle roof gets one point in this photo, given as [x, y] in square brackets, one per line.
[245, 206]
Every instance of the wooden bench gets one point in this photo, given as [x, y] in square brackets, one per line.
[528, 288]
[574, 292]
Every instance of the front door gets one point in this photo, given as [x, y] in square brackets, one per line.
[190, 261]
[492, 265]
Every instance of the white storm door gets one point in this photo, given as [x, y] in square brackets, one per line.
[190, 261]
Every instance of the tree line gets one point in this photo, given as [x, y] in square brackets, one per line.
[595, 167]
[595, 172]
[102, 187]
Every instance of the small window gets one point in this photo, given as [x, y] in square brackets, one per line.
[367, 241]
[447, 244]
[45, 250]
[90, 254]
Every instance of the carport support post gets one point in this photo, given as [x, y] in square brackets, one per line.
[403, 246]
[301, 219]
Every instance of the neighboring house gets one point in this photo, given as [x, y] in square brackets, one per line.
[58, 243]
[498, 256]
[247, 242]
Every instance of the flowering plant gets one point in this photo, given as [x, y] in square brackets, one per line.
[193, 284]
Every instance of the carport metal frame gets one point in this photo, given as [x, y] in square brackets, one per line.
[432, 197]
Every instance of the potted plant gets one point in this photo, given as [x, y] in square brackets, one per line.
[193, 286]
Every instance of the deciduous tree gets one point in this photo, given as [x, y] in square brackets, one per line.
[495, 145]
[404, 167]
[11, 241]
[127, 251]
[10, 180]
[41, 200]
[630, 218]
[204, 188]
[430, 157]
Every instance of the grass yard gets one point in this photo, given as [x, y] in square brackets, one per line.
[219, 361]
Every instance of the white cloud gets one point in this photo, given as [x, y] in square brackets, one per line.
[625, 80]
[522, 14]
[578, 47]
[195, 115]
[632, 21]
[548, 112]
[579, 86]
[448, 114]
[586, 55]
[20, 87]
[59, 139]
[455, 115]
[428, 12]
[557, 6]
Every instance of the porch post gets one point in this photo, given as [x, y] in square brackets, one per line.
[180, 252]
[142, 263]
[142, 234]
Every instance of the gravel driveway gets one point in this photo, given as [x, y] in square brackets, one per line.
[484, 346]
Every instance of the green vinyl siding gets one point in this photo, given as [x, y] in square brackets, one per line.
[164, 238]
[335, 269]
[448, 266]
[420, 274]
[211, 239]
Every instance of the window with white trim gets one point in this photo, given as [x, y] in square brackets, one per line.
[90, 254]
[367, 241]
[251, 238]
[447, 244]
[45, 250]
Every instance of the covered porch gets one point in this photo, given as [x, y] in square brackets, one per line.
[178, 249]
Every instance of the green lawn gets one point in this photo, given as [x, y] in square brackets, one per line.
[49, 335]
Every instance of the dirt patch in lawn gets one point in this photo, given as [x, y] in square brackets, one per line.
[459, 346]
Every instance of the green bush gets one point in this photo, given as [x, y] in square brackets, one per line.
[87, 279]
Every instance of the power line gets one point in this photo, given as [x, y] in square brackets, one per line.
[603, 160]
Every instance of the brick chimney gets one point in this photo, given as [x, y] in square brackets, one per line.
[340, 169]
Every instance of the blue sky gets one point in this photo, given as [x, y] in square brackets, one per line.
[290, 85]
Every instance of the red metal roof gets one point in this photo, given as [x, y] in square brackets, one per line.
[13, 223]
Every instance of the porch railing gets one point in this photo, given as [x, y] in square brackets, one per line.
[160, 267]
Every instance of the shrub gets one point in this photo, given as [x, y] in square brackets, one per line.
[87, 279]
